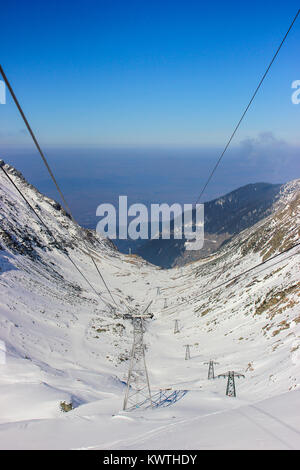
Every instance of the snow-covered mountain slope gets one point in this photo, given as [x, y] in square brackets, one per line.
[67, 344]
[224, 217]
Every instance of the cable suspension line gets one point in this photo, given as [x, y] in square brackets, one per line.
[49, 231]
[66, 206]
[247, 108]
[241, 274]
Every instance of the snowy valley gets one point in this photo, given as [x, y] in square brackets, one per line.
[66, 344]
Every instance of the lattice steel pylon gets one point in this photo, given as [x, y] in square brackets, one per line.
[176, 327]
[211, 369]
[187, 352]
[230, 388]
[138, 386]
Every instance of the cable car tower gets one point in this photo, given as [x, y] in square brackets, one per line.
[230, 389]
[138, 386]
[187, 352]
[211, 370]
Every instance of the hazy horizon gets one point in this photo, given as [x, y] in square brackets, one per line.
[89, 177]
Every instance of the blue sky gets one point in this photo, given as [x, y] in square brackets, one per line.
[147, 73]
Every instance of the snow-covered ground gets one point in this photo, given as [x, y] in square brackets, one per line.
[64, 343]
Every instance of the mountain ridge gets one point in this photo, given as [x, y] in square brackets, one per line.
[223, 217]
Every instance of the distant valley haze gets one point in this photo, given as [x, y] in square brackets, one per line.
[92, 176]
